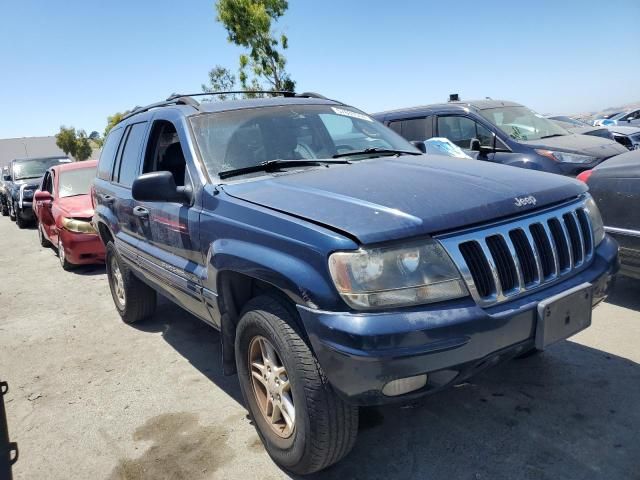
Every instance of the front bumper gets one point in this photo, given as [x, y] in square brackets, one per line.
[82, 248]
[361, 352]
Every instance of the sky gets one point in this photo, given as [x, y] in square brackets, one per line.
[75, 62]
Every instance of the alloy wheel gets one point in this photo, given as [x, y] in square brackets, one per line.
[271, 387]
[118, 283]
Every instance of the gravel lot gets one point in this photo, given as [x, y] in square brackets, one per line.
[91, 397]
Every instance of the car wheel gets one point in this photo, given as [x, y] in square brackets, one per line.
[44, 242]
[20, 221]
[302, 422]
[12, 212]
[5, 209]
[134, 299]
[62, 256]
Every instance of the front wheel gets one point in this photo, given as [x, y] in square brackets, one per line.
[302, 422]
[62, 256]
[20, 220]
[12, 212]
[44, 242]
[134, 299]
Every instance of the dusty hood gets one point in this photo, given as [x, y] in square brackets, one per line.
[584, 144]
[78, 206]
[391, 198]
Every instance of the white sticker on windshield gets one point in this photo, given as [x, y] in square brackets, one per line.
[349, 113]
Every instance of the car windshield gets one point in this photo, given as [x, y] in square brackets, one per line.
[520, 123]
[34, 168]
[570, 120]
[244, 138]
[75, 182]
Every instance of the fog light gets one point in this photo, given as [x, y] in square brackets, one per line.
[404, 385]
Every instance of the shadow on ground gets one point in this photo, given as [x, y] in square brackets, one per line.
[626, 293]
[571, 413]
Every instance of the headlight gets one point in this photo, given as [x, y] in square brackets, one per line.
[27, 194]
[565, 157]
[413, 274]
[78, 226]
[596, 220]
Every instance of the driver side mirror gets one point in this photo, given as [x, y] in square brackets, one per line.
[474, 145]
[419, 145]
[158, 187]
[42, 196]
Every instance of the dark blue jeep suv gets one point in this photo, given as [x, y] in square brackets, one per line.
[342, 267]
[503, 132]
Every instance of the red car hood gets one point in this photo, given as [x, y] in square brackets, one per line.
[78, 206]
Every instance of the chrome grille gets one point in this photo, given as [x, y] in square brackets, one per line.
[506, 260]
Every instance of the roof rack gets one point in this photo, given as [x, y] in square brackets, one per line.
[186, 99]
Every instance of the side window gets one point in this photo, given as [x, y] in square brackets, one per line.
[484, 135]
[129, 162]
[108, 155]
[415, 129]
[164, 153]
[396, 126]
[460, 130]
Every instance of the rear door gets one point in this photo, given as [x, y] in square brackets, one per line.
[129, 230]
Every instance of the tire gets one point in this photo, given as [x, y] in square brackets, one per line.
[44, 242]
[12, 212]
[20, 221]
[325, 427]
[4, 208]
[66, 265]
[138, 300]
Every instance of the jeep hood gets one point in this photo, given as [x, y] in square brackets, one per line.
[393, 198]
[584, 144]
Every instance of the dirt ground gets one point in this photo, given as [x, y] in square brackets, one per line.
[93, 398]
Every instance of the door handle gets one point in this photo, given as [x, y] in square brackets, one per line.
[140, 212]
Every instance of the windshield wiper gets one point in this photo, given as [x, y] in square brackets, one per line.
[272, 165]
[376, 150]
[553, 135]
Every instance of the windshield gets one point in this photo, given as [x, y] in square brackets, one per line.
[570, 120]
[75, 182]
[34, 168]
[248, 137]
[520, 123]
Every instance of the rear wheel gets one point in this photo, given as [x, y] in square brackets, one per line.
[133, 298]
[44, 242]
[302, 422]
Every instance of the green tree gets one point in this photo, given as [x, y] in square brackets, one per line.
[248, 24]
[66, 140]
[83, 147]
[112, 120]
[220, 80]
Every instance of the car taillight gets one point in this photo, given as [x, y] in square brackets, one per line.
[584, 176]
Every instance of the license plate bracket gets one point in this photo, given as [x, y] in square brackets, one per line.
[563, 315]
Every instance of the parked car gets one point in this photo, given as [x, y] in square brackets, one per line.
[630, 118]
[628, 137]
[598, 120]
[582, 128]
[615, 186]
[503, 132]
[64, 210]
[342, 266]
[26, 175]
[5, 178]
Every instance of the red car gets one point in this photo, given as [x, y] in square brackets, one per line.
[63, 210]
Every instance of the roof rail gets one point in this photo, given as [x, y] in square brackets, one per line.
[186, 99]
[178, 100]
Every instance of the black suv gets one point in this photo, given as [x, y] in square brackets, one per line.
[342, 267]
[23, 179]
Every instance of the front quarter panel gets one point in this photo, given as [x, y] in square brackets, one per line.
[286, 252]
